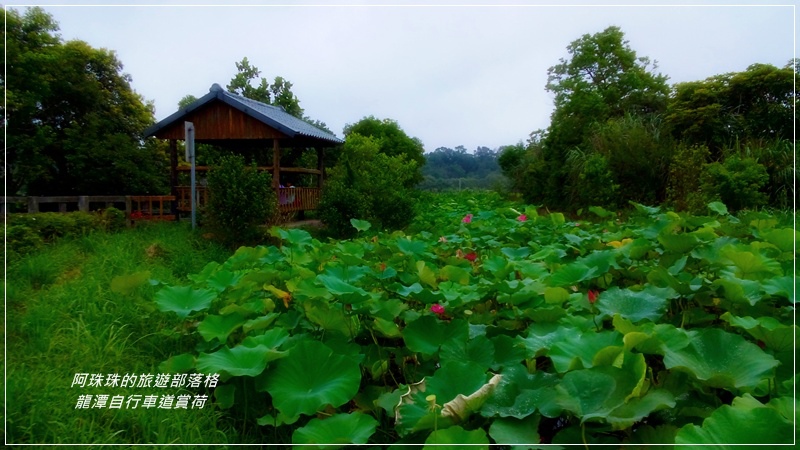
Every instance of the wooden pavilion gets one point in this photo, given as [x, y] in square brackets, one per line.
[243, 125]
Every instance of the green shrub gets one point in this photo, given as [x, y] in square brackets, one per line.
[112, 219]
[240, 199]
[368, 185]
[738, 183]
[22, 239]
[684, 190]
[592, 183]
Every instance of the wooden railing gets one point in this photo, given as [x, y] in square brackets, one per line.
[289, 199]
[136, 207]
[298, 199]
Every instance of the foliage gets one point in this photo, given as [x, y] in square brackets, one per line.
[74, 122]
[756, 104]
[447, 167]
[738, 182]
[499, 325]
[392, 141]
[592, 181]
[240, 200]
[279, 93]
[367, 184]
[684, 191]
[26, 233]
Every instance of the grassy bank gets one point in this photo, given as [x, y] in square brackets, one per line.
[63, 318]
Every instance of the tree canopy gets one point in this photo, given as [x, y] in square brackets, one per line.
[391, 141]
[279, 93]
[74, 124]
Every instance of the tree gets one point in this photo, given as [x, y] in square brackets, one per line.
[603, 79]
[186, 101]
[391, 141]
[74, 124]
[279, 93]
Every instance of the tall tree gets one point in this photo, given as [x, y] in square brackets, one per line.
[279, 93]
[603, 79]
[74, 124]
[392, 141]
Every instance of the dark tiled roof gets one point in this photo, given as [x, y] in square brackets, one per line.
[273, 116]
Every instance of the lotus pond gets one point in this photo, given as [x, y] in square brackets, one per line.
[495, 324]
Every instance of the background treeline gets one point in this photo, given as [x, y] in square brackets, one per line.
[446, 168]
[619, 133]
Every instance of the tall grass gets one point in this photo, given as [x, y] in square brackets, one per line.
[63, 318]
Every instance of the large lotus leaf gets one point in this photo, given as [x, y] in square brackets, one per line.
[782, 286]
[453, 378]
[271, 338]
[311, 377]
[413, 248]
[678, 243]
[478, 350]
[742, 422]
[648, 304]
[515, 431]
[177, 364]
[638, 408]
[293, 236]
[182, 300]
[426, 334]
[721, 359]
[223, 279]
[219, 326]
[455, 274]
[347, 273]
[360, 225]
[519, 394]
[542, 336]
[590, 393]
[330, 317]
[507, 352]
[572, 274]
[751, 266]
[346, 292]
[338, 430]
[405, 291]
[238, 361]
[738, 290]
[456, 438]
[514, 253]
[578, 350]
[773, 334]
[783, 238]
[426, 274]
[601, 260]
[259, 322]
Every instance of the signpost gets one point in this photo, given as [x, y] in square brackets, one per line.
[189, 140]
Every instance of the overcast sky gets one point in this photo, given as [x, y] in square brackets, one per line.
[449, 75]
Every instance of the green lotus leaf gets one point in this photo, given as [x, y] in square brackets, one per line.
[223, 279]
[412, 248]
[515, 431]
[386, 328]
[125, 284]
[646, 210]
[338, 430]
[648, 304]
[455, 438]
[783, 238]
[426, 274]
[556, 295]
[225, 395]
[347, 273]
[177, 364]
[719, 208]
[219, 326]
[311, 377]
[360, 225]
[259, 322]
[519, 394]
[507, 352]
[589, 393]
[770, 331]
[739, 423]
[238, 361]
[678, 243]
[638, 408]
[783, 286]
[454, 274]
[271, 338]
[601, 261]
[478, 350]
[514, 253]
[542, 336]
[330, 317]
[182, 300]
[405, 291]
[751, 266]
[295, 237]
[578, 350]
[571, 274]
[717, 357]
[426, 334]
[600, 212]
[347, 292]
[738, 290]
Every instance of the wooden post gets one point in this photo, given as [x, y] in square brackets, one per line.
[276, 165]
[83, 203]
[33, 205]
[320, 165]
[173, 173]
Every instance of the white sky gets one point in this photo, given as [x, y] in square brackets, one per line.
[450, 75]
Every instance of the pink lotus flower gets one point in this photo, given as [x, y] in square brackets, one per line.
[522, 218]
[593, 296]
[437, 309]
[467, 218]
[471, 256]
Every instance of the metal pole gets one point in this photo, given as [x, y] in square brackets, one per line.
[190, 156]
